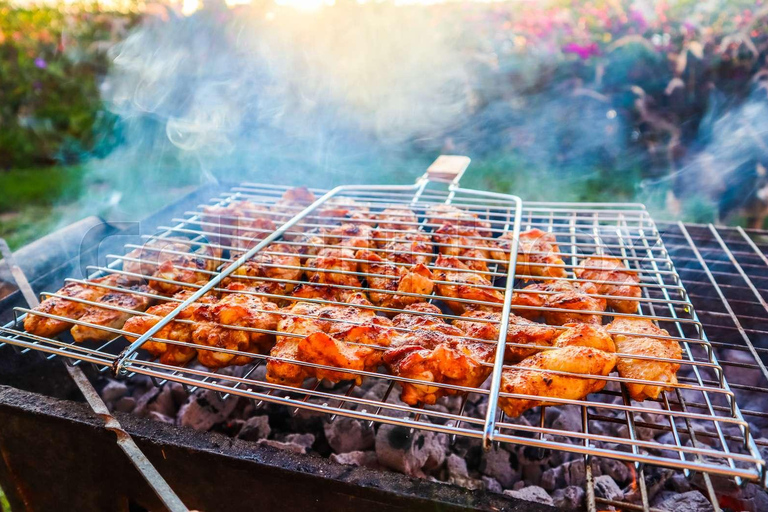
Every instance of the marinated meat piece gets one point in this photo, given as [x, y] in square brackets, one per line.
[320, 269]
[537, 252]
[465, 284]
[465, 243]
[180, 330]
[239, 223]
[440, 214]
[611, 277]
[340, 333]
[109, 316]
[393, 224]
[352, 236]
[435, 358]
[583, 350]
[520, 331]
[194, 268]
[235, 310]
[423, 315]
[645, 369]
[412, 248]
[566, 297]
[277, 262]
[49, 327]
[399, 280]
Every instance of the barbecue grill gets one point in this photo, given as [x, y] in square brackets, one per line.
[701, 283]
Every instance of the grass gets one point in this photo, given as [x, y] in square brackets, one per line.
[45, 186]
[4, 505]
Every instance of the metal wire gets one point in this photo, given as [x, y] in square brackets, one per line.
[709, 431]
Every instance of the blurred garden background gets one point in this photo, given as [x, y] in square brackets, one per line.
[116, 108]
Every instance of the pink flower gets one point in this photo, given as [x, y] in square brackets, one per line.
[584, 51]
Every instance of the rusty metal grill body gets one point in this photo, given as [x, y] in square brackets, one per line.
[710, 431]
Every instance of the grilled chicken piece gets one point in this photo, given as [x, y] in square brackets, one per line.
[236, 310]
[293, 201]
[193, 268]
[467, 285]
[465, 243]
[448, 214]
[339, 326]
[240, 223]
[169, 353]
[434, 357]
[309, 245]
[612, 278]
[342, 209]
[535, 248]
[276, 261]
[566, 296]
[520, 331]
[294, 198]
[382, 275]
[424, 315]
[398, 219]
[154, 253]
[412, 248]
[107, 316]
[582, 349]
[49, 327]
[351, 236]
[394, 223]
[321, 292]
[319, 269]
[641, 345]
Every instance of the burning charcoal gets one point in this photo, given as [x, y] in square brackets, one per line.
[738, 374]
[692, 501]
[402, 450]
[291, 447]
[162, 404]
[680, 483]
[615, 469]
[497, 463]
[532, 493]
[570, 473]
[305, 440]
[606, 487]
[113, 391]
[348, 435]
[565, 418]
[436, 446]
[467, 483]
[457, 467]
[492, 485]
[570, 498]
[204, 409]
[154, 415]
[753, 498]
[255, 428]
[144, 400]
[125, 404]
[179, 394]
[365, 459]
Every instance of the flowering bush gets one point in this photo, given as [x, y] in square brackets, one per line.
[51, 61]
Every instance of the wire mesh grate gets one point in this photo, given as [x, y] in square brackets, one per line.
[696, 425]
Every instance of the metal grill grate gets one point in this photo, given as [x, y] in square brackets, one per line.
[707, 431]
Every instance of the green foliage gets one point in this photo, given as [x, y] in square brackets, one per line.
[51, 61]
[43, 186]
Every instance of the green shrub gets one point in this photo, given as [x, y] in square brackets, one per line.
[51, 62]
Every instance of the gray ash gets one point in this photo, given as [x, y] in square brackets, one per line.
[553, 477]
